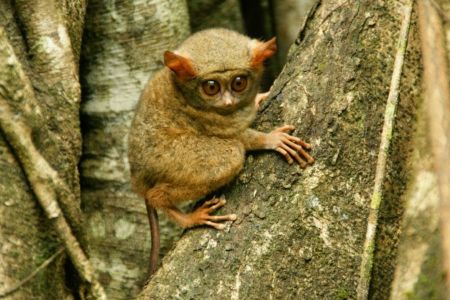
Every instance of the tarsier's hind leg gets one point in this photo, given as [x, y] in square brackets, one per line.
[165, 197]
[201, 215]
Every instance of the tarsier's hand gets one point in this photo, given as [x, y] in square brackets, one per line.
[290, 146]
[260, 97]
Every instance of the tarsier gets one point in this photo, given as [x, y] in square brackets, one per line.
[191, 129]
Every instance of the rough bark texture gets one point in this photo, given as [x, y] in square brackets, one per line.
[123, 45]
[443, 9]
[47, 96]
[418, 271]
[399, 168]
[300, 232]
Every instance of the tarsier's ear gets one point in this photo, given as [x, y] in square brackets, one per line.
[262, 51]
[180, 65]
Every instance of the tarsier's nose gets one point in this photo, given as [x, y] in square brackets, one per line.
[228, 99]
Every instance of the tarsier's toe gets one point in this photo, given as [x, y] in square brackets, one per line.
[217, 226]
[233, 217]
[211, 202]
[221, 202]
[202, 214]
[211, 220]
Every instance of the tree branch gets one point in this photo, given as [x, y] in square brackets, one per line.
[30, 276]
[386, 136]
[299, 229]
[45, 181]
[16, 89]
[54, 70]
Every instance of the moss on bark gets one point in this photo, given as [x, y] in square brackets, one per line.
[300, 232]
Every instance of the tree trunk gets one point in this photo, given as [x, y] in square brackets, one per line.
[418, 270]
[205, 14]
[123, 44]
[301, 232]
[39, 85]
[289, 15]
[423, 267]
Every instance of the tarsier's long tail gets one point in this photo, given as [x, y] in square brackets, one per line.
[154, 232]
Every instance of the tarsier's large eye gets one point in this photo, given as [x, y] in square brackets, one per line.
[211, 87]
[239, 83]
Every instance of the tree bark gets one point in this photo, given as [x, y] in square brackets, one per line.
[123, 44]
[418, 271]
[300, 233]
[289, 15]
[39, 84]
[205, 14]
[437, 95]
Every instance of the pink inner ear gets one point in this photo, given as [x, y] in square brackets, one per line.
[180, 65]
[263, 51]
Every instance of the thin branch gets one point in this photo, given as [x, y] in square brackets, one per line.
[21, 283]
[437, 97]
[52, 59]
[44, 180]
[16, 87]
[386, 136]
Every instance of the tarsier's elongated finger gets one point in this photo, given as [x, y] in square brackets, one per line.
[294, 154]
[304, 144]
[285, 154]
[308, 157]
[299, 148]
[285, 128]
[260, 97]
[299, 141]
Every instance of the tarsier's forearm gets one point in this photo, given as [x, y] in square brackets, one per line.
[289, 146]
[254, 140]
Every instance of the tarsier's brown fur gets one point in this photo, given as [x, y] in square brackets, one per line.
[185, 144]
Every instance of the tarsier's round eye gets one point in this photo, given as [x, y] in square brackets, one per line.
[239, 83]
[211, 87]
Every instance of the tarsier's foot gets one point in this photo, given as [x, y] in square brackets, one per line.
[289, 146]
[201, 216]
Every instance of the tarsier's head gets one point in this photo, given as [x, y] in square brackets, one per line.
[219, 69]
